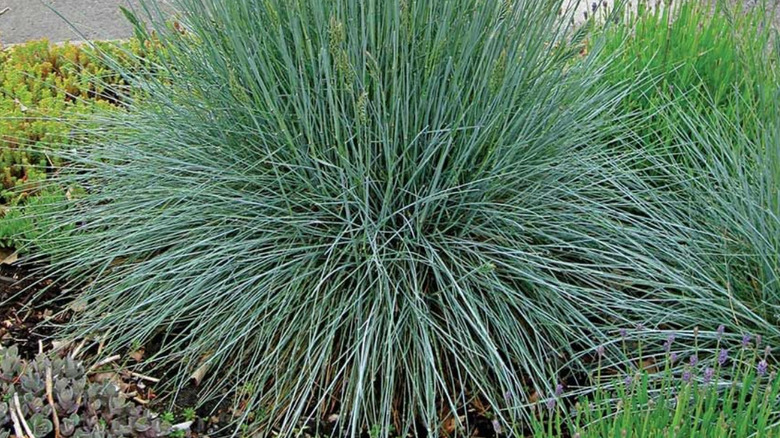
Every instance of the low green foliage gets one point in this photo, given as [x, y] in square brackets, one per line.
[45, 89]
[189, 414]
[47, 93]
[168, 417]
[29, 221]
[724, 392]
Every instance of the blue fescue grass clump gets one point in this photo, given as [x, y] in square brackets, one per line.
[708, 113]
[374, 211]
[729, 390]
[736, 187]
[709, 110]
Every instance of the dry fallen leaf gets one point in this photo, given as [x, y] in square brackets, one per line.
[650, 365]
[138, 355]
[77, 305]
[8, 258]
[449, 425]
[57, 345]
[200, 373]
[107, 377]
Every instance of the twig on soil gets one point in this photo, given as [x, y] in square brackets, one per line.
[40, 346]
[17, 427]
[26, 315]
[9, 280]
[100, 346]
[55, 419]
[74, 354]
[141, 401]
[144, 377]
[200, 373]
[4, 11]
[103, 362]
[21, 417]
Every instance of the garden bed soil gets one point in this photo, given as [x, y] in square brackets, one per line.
[30, 304]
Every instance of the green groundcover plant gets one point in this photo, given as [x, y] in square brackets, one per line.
[53, 396]
[728, 391]
[47, 92]
[379, 212]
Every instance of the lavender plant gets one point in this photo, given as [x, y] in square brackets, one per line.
[729, 390]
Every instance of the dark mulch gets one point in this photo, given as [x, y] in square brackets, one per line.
[212, 416]
[27, 301]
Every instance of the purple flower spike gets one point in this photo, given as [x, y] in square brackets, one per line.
[594, 6]
[745, 340]
[551, 404]
[623, 333]
[758, 341]
[497, 427]
[667, 346]
[670, 339]
[708, 374]
[640, 327]
[686, 376]
[694, 360]
[719, 332]
[627, 381]
[673, 357]
[723, 357]
[762, 367]
[558, 390]
[600, 350]
[508, 395]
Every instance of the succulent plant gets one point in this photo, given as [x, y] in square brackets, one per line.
[84, 409]
[45, 90]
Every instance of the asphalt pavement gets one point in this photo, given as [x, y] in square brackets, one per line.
[74, 20]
